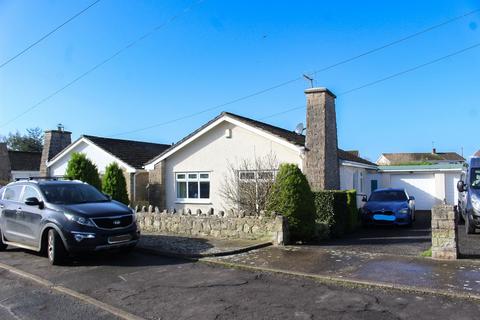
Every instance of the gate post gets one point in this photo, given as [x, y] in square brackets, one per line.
[444, 233]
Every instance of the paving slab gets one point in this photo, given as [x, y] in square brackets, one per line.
[179, 246]
[460, 277]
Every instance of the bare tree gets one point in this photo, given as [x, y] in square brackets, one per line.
[248, 182]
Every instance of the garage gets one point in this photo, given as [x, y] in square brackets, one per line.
[429, 184]
[421, 186]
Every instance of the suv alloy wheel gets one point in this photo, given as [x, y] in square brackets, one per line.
[55, 250]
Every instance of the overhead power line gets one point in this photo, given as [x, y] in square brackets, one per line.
[282, 84]
[103, 62]
[303, 106]
[395, 75]
[248, 96]
[48, 34]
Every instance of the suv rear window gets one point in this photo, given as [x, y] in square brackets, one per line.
[64, 193]
[12, 193]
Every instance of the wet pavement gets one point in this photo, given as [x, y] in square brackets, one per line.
[461, 276]
[155, 287]
[195, 247]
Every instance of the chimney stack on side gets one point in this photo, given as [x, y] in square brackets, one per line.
[320, 164]
[54, 142]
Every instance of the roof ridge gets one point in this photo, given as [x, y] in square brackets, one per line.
[126, 140]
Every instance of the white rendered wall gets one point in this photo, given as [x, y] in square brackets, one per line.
[212, 152]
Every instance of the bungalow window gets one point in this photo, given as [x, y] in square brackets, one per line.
[193, 186]
[257, 175]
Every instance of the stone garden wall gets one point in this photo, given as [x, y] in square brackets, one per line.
[444, 233]
[230, 225]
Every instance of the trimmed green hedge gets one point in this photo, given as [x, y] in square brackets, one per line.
[291, 196]
[79, 167]
[114, 184]
[338, 210]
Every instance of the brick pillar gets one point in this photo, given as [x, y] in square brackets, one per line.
[5, 168]
[156, 186]
[444, 233]
[320, 163]
[54, 142]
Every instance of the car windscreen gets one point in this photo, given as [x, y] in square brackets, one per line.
[72, 193]
[475, 178]
[388, 195]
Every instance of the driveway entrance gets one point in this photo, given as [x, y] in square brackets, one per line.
[388, 239]
[468, 244]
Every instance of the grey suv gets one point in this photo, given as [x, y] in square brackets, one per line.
[62, 217]
[469, 195]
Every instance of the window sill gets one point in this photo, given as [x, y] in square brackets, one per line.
[193, 201]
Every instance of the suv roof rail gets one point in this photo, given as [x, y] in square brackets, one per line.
[38, 178]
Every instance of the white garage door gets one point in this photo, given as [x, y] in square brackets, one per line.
[451, 192]
[421, 186]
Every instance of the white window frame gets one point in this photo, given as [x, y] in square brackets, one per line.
[188, 180]
[255, 175]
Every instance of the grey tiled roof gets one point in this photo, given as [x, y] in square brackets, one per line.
[134, 153]
[24, 161]
[290, 136]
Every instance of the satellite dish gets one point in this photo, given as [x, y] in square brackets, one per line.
[299, 128]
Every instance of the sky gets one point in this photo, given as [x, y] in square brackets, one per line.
[219, 51]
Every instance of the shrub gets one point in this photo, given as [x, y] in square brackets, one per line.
[114, 184]
[338, 210]
[331, 209]
[291, 196]
[353, 215]
[79, 167]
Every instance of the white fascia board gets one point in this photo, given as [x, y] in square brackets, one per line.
[420, 170]
[270, 136]
[66, 151]
[357, 165]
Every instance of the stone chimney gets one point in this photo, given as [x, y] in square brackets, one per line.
[5, 168]
[320, 164]
[54, 142]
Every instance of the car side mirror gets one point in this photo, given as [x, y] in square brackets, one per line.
[411, 198]
[109, 197]
[461, 186]
[364, 199]
[33, 201]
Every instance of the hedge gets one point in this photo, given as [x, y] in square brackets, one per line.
[291, 196]
[79, 167]
[338, 210]
[114, 184]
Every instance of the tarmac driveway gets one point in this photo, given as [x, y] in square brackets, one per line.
[468, 244]
[388, 239]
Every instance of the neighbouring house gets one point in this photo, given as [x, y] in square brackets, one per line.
[24, 164]
[191, 173]
[434, 157]
[18, 164]
[131, 156]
